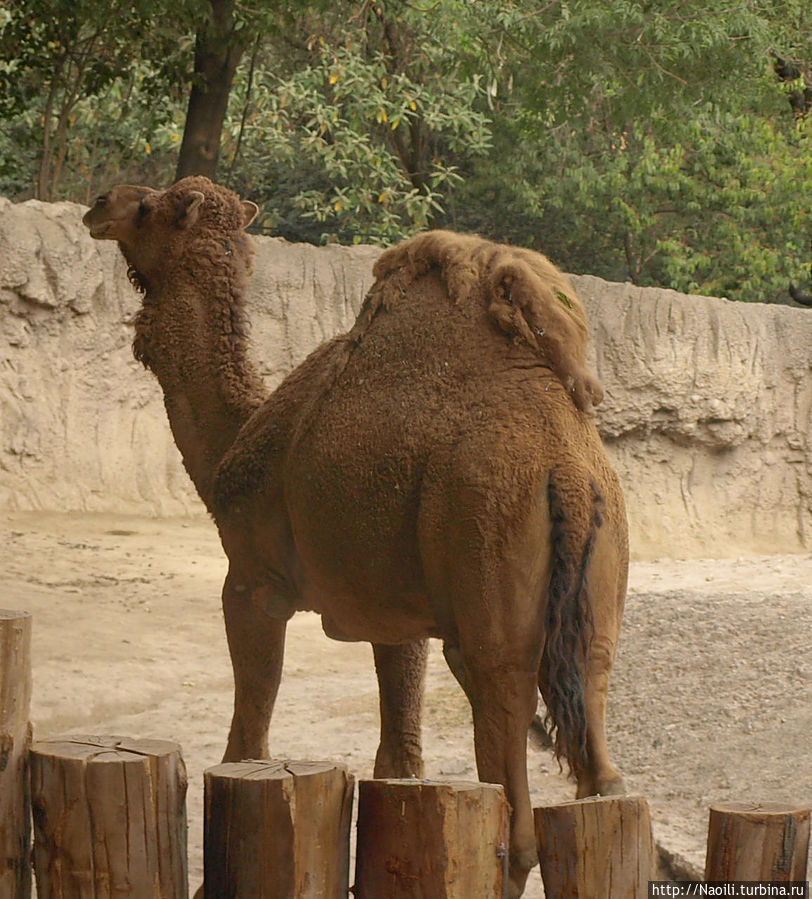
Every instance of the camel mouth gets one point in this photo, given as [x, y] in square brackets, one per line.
[101, 230]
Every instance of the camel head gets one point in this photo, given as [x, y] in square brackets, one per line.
[156, 228]
[189, 256]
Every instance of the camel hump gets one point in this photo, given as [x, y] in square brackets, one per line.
[576, 513]
[528, 298]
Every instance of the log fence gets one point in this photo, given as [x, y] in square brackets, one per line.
[15, 738]
[110, 823]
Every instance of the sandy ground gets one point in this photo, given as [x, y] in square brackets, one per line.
[711, 696]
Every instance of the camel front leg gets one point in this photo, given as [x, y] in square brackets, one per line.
[401, 674]
[256, 642]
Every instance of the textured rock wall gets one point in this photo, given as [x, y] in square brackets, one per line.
[708, 418]
[707, 414]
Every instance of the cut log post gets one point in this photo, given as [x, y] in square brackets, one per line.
[444, 840]
[277, 830]
[109, 819]
[15, 738]
[596, 848]
[757, 842]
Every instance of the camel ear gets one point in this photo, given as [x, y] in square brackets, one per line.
[249, 212]
[190, 209]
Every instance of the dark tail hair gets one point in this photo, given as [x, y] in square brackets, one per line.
[576, 513]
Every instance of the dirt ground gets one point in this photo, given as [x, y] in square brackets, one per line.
[711, 696]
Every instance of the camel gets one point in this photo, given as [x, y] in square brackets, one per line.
[434, 472]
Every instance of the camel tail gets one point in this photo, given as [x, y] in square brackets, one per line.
[576, 512]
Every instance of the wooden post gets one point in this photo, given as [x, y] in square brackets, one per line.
[109, 819]
[277, 830]
[596, 848]
[757, 842]
[15, 738]
[444, 840]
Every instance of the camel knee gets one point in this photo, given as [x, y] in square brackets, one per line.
[525, 860]
[247, 739]
[401, 673]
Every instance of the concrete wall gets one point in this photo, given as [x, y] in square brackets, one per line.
[708, 413]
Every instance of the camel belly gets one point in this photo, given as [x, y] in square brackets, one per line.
[354, 625]
[363, 589]
[354, 524]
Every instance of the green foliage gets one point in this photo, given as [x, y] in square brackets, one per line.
[651, 143]
[723, 211]
[663, 143]
[86, 93]
[363, 130]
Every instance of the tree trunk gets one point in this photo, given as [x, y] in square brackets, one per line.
[218, 49]
[757, 842]
[109, 819]
[596, 848]
[42, 184]
[15, 738]
[277, 830]
[444, 840]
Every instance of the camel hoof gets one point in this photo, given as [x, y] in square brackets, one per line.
[520, 865]
[514, 890]
[612, 787]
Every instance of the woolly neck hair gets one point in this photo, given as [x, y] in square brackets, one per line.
[215, 256]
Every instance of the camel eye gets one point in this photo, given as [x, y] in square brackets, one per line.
[143, 209]
[100, 200]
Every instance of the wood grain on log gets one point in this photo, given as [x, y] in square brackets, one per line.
[109, 819]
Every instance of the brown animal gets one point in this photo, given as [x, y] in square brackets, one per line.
[432, 473]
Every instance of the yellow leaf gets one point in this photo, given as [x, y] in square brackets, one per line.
[147, 149]
[333, 79]
[338, 205]
[412, 105]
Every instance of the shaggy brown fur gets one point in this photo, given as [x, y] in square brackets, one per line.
[426, 474]
[527, 297]
[189, 238]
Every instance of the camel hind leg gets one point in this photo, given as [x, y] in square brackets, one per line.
[503, 701]
[607, 590]
[598, 776]
[486, 596]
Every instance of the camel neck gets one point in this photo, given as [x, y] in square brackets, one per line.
[210, 387]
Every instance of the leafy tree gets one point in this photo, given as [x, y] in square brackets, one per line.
[86, 94]
[82, 83]
[665, 143]
[350, 142]
[648, 142]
